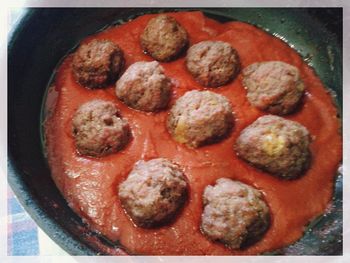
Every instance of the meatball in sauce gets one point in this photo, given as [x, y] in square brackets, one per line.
[98, 129]
[164, 38]
[212, 63]
[144, 86]
[275, 145]
[97, 63]
[153, 192]
[275, 86]
[235, 214]
[199, 118]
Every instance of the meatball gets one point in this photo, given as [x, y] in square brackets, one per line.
[153, 192]
[98, 63]
[164, 38]
[144, 86]
[275, 145]
[98, 129]
[273, 86]
[199, 118]
[234, 214]
[212, 63]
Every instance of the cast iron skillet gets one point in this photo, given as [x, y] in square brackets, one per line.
[44, 36]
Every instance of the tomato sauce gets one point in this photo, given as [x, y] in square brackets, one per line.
[90, 184]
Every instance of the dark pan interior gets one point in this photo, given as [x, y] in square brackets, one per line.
[43, 36]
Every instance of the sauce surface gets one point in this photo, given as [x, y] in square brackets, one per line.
[90, 185]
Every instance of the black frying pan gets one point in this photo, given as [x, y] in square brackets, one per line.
[43, 36]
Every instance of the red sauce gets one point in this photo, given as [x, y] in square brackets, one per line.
[90, 185]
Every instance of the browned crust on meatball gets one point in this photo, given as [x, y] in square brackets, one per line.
[153, 192]
[199, 118]
[164, 38]
[97, 63]
[275, 86]
[212, 63]
[275, 145]
[144, 86]
[98, 129]
[234, 213]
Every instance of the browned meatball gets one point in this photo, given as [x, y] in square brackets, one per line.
[153, 192]
[274, 86]
[144, 86]
[275, 145]
[199, 118]
[98, 63]
[98, 129]
[235, 214]
[164, 38]
[212, 63]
